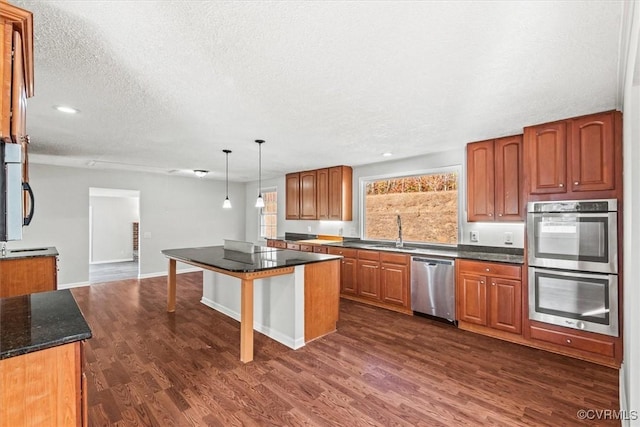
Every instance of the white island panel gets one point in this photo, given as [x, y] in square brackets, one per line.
[278, 304]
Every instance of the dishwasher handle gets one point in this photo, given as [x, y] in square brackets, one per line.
[431, 261]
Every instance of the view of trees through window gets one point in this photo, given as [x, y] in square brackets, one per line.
[427, 204]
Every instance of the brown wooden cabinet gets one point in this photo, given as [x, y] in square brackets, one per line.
[16, 71]
[324, 194]
[375, 277]
[489, 295]
[494, 190]
[394, 279]
[308, 196]
[348, 270]
[577, 158]
[44, 388]
[369, 274]
[292, 183]
[21, 276]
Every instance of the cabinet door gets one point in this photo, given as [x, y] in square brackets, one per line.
[348, 280]
[480, 181]
[508, 190]
[592, 153]
[6, 36]
[308, 195]
[546, 151]
[369, 279]
[505, 305]
[18, 93]
[322, 186]
[292, 196]
[394, 281]
[472, 298]
[340, 193]
[28, 275]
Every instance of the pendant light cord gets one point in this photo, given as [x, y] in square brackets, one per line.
[227, 174]
[259, 169]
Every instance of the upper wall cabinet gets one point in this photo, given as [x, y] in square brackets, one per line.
[16, 71]
[577, 158]
[322, 194]
[494, 190]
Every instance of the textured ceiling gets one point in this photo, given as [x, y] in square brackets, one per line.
[166, 85]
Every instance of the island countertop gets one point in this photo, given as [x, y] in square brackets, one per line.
[39, 321]
[262, 259]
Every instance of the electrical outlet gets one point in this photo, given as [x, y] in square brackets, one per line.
[508, 238]
[475, 236]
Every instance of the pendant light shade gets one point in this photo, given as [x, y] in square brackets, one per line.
[227, 203]
[259, 200]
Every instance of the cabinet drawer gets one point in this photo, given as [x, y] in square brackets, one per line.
[280, 244]
[394, 258]
[569, 340]
[320, 250]
[293, 246]
[345, 252]
[370, 255]
[490, 268]
[306, 248]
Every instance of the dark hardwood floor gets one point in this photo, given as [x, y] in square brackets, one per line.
[147, 367]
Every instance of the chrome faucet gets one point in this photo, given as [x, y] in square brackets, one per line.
[399, 243]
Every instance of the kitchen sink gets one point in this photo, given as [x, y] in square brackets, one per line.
[15, 251]
[392, 247]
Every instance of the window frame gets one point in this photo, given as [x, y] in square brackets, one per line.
[261, 213]
[364, 180]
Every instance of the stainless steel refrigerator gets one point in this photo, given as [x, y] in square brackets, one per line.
[11, 191]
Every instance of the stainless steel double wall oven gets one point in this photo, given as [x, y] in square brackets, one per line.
[573, 264]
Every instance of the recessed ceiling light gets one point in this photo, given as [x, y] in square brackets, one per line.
[200, 172]
[64, 109]
[387, 154]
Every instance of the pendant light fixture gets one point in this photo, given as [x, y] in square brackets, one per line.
[227, 202]
[259, 200]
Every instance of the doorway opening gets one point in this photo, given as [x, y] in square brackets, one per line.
[114, 222]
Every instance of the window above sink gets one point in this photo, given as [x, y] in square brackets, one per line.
[428, 203]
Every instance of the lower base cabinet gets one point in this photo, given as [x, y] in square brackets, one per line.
[44, 388]
[375, 277]
[489, 295]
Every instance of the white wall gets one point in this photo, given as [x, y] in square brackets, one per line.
[491, 234]
[630, 372]
[112, 228]
[176, 211]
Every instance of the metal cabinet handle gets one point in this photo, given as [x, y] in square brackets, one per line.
[486, 269]
[482, 282]
[568, 341]
[499, 214]
[576, 183]
[560, 185]
[493, 284]
[490, 214]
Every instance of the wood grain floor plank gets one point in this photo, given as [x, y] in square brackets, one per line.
[146, 367]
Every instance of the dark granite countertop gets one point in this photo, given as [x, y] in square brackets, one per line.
[263, 258]
[38, 321]
[480, 253]
[29, 253]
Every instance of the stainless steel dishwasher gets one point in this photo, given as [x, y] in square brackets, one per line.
[433, 287]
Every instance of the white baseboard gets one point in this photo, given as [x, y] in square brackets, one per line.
[112, 261]
[73, 285]
[271, 333]
[164, 273]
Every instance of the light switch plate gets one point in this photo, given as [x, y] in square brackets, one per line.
[475, 236]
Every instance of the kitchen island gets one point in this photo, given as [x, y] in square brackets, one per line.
[42, 380]
[293, 300]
